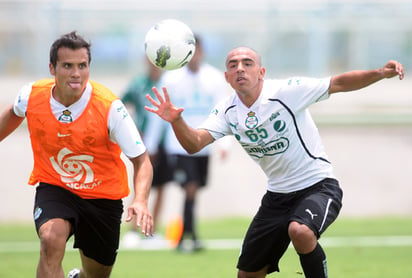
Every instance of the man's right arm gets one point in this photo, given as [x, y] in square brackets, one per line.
[9, 121]
[192, 140]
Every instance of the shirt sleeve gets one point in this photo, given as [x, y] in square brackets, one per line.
[216, 123]
[123, 131]
[301, 92]
[20, 104]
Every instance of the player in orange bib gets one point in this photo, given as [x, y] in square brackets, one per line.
[78, 130]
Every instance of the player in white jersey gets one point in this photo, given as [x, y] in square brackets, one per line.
[270, 120]
[195, 92]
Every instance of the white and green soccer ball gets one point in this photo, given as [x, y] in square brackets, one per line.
[170, 44]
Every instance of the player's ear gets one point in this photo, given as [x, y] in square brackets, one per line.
[226, 77]
[52, 69]
[262, 72]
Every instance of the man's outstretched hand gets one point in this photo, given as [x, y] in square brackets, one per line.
[164, 108]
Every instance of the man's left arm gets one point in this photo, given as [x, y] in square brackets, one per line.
[142, 180]
[358, 79]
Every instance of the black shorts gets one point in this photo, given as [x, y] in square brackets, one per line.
[191, 169]
[95, 222]
[162, 168]
[267, 237]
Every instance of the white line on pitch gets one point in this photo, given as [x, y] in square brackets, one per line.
[227, 244]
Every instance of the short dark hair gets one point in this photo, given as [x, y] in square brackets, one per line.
[71, 40]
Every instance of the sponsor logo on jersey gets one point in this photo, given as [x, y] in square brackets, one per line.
[272, 148]
[123, 111]
[294, 80]
[279, 126]
[274, 116]
[74, 170]
[214, 111]
[234, 125]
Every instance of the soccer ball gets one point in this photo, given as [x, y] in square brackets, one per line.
[170, 44]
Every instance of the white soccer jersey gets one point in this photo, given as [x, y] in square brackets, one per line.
[197, 93]
[278, 132]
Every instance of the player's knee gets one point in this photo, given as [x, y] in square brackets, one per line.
[258, 274]
[101, 272]
[298, 231]
[52, 238]
[242, 274]
[303, 238]
[51, 241]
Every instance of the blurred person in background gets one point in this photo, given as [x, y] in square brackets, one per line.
[135, 100]
[78, 130]
[197, 86]
[271, 121]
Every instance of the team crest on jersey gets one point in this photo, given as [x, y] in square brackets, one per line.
[251, 120]
[66, 117]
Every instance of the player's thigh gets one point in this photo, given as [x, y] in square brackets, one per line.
[191, 169]
[162, 169]
[267, 237]
[53, 212]
[319, 206]
[98, 230]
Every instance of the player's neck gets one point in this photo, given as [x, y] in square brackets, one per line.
[249, 97]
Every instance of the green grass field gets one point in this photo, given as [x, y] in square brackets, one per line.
[356, 248]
